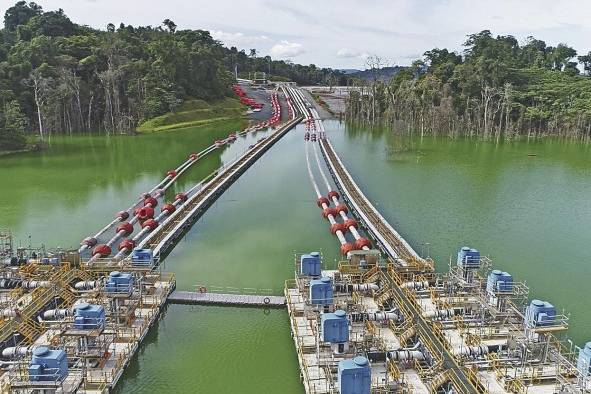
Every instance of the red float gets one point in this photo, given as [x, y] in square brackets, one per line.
[89, 241]
[151, 223]
[342, 208]
[338, 227]
[151, 201]
[126, 227]
[322, 200]
[145, 213]
[102, 250]
[181, 197]
[332, 194]
[328, 211]
[346, 248]
[361, 242]
[123, 215]
[127, 243]
[351, 223]
[168, 208]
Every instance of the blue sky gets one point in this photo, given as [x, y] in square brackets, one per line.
[342, 33]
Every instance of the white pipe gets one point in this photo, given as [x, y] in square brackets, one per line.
[443, 313]
[420, 285]
[15, 351]
[364, 286]
[86, 285]
[33, 284]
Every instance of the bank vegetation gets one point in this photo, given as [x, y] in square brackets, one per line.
[496, 88]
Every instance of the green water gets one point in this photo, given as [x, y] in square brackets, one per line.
[531, 214]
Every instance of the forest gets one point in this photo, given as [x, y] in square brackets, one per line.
[496, 88]
[57, 76]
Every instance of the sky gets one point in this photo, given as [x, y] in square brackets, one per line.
[343, 33]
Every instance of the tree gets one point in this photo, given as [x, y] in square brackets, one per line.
[12, 132]
[20, 14]
[585, 60]
[170, 25]
[561, 56]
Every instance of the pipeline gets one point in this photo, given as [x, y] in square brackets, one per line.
[418, 285]
[351, 287]
[379, 316]
[438, 314]
[16, 351]
[340, 209]
[404, 355]
[171, 177]
[87, 285]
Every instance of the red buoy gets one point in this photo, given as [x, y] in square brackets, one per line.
[181, 197]
[346, 248]
[361, 242]
[332, 194]
[193, 156]
[151, 201]
[126, 227]
[127, 243]
[351, 223]
[339, 227]
[168, 208]
[171, 173]
[89, 241]
[145, 213]
[328, 211]
[122, 215]
[342, 208]
[322, 200]
[151, 223]
[102, 250]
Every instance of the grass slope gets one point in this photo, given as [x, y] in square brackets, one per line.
[195, 113]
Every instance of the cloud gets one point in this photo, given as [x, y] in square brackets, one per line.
[347, 53]
[287, 49]
[238, 39]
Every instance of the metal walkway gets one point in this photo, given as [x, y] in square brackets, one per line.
[403, 257]
[195, 297]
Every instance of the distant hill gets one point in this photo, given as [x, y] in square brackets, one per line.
[383, 74]
[348, 71]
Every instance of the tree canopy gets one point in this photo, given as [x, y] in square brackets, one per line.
[495, 87]
[69, 78]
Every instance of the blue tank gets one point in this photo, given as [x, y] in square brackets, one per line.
[119, 283]
[48, 365]
[354, 376]
[89, 317]
[310, 264]
[499, 282]
[540, 313]
[584, 360]
[468, 258]
[334, 327]
[321, 292]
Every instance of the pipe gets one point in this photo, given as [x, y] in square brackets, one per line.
[56, 314]
[86, 285]
[351, 287]
[379, 316]
[15, 351]
[33, 284]
[443, 313]
[419, 285]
